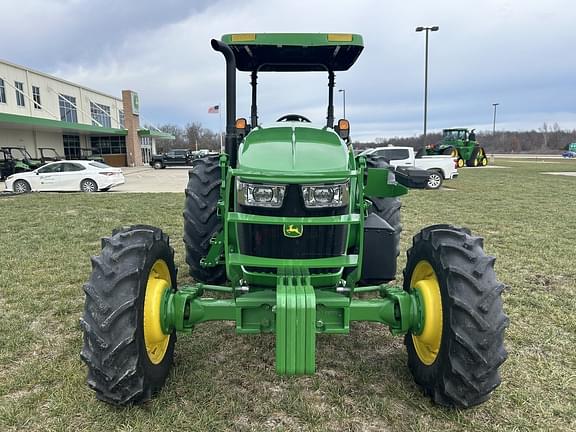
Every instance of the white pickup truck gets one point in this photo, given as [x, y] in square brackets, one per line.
[440, 167]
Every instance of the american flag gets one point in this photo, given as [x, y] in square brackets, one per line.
[214, 109]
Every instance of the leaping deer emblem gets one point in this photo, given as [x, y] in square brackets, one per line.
[293, 230]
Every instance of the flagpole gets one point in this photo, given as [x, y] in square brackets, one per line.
[220, 114]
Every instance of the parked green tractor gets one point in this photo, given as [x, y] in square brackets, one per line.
[462, 145]
[288, 227]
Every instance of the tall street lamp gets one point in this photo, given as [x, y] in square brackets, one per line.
[426, 29]
[494, 121]
[343, 91]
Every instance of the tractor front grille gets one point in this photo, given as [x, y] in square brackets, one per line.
[269, 241]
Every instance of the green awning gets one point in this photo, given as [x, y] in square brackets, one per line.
[36, 123]
[155, 134]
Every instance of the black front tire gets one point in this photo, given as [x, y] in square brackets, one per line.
[158, 165]
[120, 369]
[88, 186]
[21, 186]
[201, 221]
[462, 370]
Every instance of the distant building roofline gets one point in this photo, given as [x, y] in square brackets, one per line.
[59, 79]
[40, 123]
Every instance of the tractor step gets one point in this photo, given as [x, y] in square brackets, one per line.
[295, 324]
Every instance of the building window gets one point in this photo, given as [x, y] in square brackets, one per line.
[36, 97]
[100, 114]
[108, 145]
[71, 146]
[2, 91]
[121, 119]
[19, 93]
[68, 109]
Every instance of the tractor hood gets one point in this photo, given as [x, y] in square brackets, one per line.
[293, 148]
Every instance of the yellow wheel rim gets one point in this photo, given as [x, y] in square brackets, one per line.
[460, 163]
[484, 161]
[475, 162]
[454, 153]
[155, 339]
[427, 344]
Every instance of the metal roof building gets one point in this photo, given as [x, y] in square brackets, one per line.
[38, 110]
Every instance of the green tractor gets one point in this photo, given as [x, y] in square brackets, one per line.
[288, 227]
[462, 145]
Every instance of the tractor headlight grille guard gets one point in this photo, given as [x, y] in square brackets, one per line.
[330, 195]
[260, 195]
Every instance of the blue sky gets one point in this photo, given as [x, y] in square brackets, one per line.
[517, 53]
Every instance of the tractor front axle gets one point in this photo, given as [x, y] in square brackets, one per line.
[295, 311]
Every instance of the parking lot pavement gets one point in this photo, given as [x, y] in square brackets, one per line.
[147, 179]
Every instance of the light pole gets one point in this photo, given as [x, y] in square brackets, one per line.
[494, 121]
[426, 29]
[343, 91]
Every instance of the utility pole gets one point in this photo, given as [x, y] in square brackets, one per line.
[343, 91]
[494, 121]
[426, 29]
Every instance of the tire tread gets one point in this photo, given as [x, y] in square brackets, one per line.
[472, 349]
[111, 346]
[201, 221]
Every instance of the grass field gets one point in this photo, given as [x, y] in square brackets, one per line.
[226, 382]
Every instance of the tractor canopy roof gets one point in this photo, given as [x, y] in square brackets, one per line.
[455, 129]
[294, 52]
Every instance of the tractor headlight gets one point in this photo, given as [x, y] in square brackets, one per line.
[260, 195]
[334, 195]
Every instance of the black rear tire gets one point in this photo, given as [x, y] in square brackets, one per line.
[461, 369]
[120, 368]
[201, 221]
[435, 180]
[473, 161]
[387, 208]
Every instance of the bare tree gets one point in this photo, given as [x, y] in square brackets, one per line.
[202, 138]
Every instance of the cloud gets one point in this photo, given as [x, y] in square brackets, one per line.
[517, 53]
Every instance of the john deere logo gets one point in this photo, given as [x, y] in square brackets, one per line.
[293, 231]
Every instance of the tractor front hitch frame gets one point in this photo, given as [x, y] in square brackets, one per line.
[294, 311]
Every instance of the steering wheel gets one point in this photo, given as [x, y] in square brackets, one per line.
[293, 117]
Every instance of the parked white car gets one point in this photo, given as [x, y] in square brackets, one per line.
[440, 167]
[67, 175]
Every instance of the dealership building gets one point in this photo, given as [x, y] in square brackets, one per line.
[38, 110]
